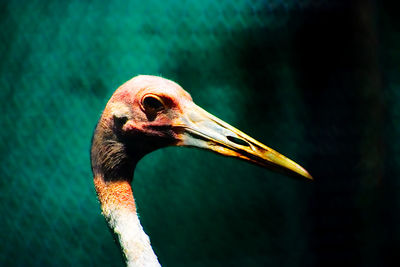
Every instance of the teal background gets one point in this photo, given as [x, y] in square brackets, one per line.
[316, 80]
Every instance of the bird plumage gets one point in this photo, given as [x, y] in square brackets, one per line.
[147, 113]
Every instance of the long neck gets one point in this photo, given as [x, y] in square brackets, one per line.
[118, 206]
[113, 172]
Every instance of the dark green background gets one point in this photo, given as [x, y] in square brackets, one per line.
[316, 80]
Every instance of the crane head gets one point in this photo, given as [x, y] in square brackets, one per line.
[150, 112]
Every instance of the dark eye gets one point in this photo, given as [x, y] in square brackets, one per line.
[153, 103]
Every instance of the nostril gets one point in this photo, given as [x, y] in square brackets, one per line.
[237, 141]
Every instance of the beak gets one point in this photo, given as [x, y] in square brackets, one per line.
[198, 128]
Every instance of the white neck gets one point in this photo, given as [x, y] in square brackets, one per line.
[134, 241]
[119, 209]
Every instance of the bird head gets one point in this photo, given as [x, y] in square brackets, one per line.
[150, 112]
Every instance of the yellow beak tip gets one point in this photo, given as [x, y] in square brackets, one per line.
[308, 176]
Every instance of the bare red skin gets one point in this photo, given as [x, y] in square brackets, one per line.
[112, 164]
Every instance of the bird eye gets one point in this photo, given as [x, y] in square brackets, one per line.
[153, 103]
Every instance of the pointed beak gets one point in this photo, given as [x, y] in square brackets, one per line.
[198, 128]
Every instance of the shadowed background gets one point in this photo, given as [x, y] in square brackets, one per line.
[316, 80]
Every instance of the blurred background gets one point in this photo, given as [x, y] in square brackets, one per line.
[316, 80]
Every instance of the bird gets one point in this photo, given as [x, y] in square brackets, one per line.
[151, 112]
